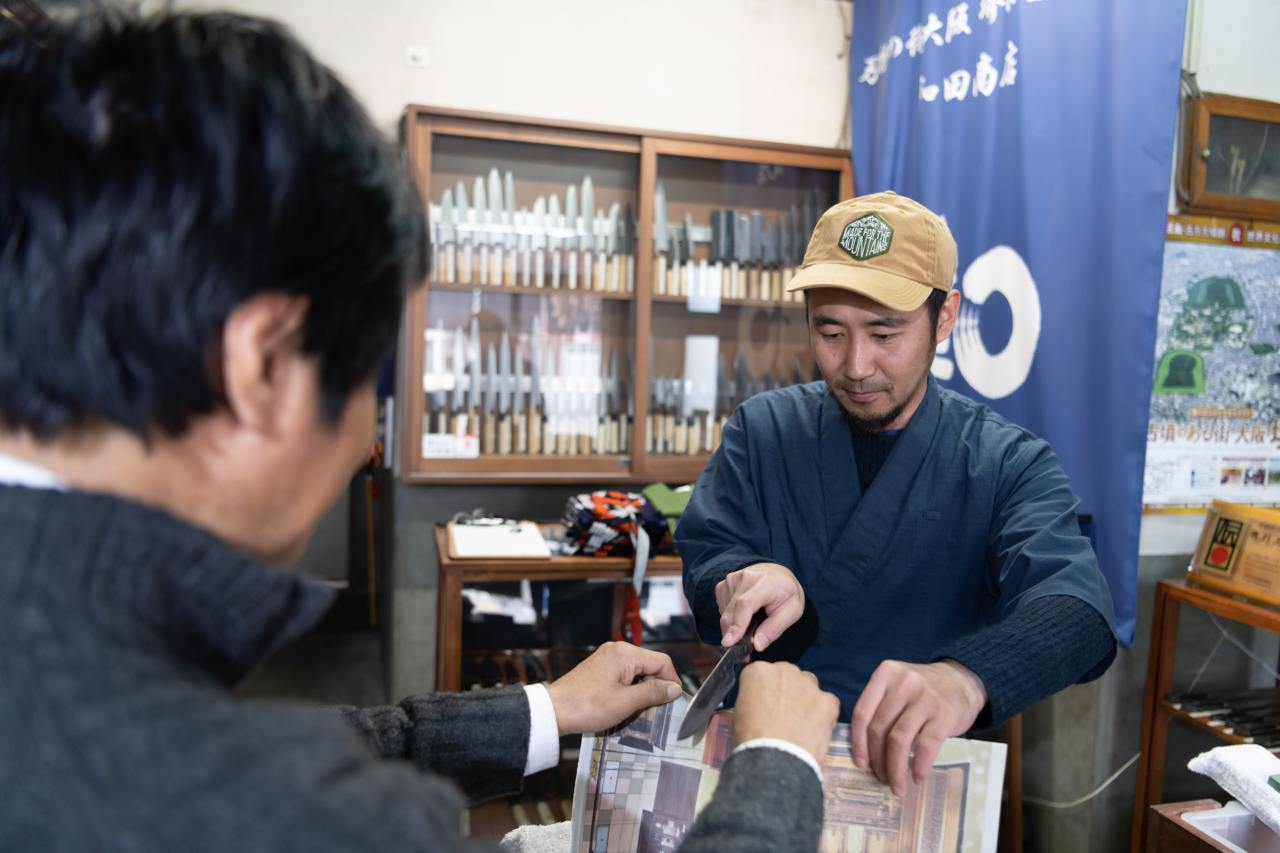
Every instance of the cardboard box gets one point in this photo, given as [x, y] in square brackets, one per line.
[1239, 552]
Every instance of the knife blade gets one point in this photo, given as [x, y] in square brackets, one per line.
[661, 236]
[686, 239]
[504, 396]
[465, 233]
[571, 242]
[497, 225]
[588, 200]
[519, 417]
[448, 236]
[538, 241]
[555, 242]
[489, 439]
[473, 385]
[509, 221]
[717, 254]
[629, 246]
[769, 288]
[482, 211]
[755, 275]
[718, 683]
[741, 253]
[609, 282]
[728, 223]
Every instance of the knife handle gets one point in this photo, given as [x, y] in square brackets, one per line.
[489, 434]
[631, 273]
[624, 434]
[602, 271]
[660, 274]
[572, 272]
[504, 435]
[464, 262]
[539, 268]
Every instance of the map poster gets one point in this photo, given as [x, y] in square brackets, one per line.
[638, 790]
[1214, 429]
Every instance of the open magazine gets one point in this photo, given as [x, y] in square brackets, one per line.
[639, 789]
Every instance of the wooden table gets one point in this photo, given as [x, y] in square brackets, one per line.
[1156, 710]
[454, 574]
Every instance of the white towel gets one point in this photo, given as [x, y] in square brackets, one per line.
[536, 838]
[1242, 771]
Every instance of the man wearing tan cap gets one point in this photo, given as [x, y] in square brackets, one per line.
[915, 550]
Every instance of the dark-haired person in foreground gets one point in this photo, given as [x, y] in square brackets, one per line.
[204, 251]
[916, 551]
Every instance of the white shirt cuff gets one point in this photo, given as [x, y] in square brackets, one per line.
[784, 745]
[544, 732]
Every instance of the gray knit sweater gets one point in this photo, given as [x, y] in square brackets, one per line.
[122, 634]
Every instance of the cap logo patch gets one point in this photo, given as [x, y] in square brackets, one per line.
[866, 237]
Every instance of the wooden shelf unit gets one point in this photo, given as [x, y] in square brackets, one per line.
[1157, 712]
[553, 144]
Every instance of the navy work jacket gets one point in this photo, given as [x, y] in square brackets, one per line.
[969, 517]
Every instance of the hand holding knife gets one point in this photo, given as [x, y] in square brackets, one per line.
[719, 682]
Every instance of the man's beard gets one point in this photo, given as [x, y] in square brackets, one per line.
[876, 424]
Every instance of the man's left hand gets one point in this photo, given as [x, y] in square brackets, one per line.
[618, 680]
[908, 705]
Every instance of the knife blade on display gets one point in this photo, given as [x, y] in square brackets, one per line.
[769, 287]
[718, 683]
[613, 406]
[572, 242]
[466, 232]
[496, 225]
[612, 241]
[588, 201]
[445, 269]
[742, 252]
[755, 274]
[555, 241]
[728, 224]
[489, 437]
[510, 240]
[686, 274]
[482, 210]
[538, 241]
[661, 237]
[626, 408]
[504, 396]
[675, 262]
[534, 427]
[629, 247]
[473, 384]
[680, 440]
[717, 254]
[457, 417]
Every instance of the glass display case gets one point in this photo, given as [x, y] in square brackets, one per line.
[1231, 157]
[601, 299]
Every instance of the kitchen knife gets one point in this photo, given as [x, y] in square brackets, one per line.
[504, 396]
[445, 270]
[686, 238]
[489, 437]
[769, 286]
[457, 416]
[629, 247]
[610, 280]
[555, 241]
[661, 238]
[572, 242]
[466, 233]
[742, 253]
[483, 214]
[510, 241]
[588, 200]
[755, 274]
[538, 241]
[718, 683]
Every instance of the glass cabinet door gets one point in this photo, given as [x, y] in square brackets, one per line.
[728, 236]
[529, 316]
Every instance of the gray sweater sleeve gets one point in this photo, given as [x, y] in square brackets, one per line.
[479, 739]
[1043, 646]
[767, 801]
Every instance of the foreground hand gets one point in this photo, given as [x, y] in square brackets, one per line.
[764, 586]
[779, 700]
[599, 693]
[911, 704]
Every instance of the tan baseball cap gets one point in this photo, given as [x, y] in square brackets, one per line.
[884, 246]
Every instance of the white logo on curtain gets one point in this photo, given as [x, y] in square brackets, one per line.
[993, 375]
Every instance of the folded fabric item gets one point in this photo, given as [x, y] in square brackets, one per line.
[1242, 771]
[535, 838]
[668, 501]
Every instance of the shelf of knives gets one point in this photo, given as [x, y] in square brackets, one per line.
[1239, 716]
[670, 236]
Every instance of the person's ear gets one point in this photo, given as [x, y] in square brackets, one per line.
[947, 315]
[260, 358]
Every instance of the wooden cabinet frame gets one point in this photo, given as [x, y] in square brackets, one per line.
[418, 127]
[1194, 170]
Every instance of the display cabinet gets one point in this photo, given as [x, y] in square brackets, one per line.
[601, 298]
[1231, 156]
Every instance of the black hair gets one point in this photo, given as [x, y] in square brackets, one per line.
[155, 173]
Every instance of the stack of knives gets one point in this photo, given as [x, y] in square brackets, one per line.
[1251, 715]
[490, 241]
[749, 257]
[549, 412]
[670, 429]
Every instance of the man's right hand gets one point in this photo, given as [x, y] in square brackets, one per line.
[779, 700]
[764, 586]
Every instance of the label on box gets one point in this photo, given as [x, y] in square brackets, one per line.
[446, 445]
[1239, 551]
